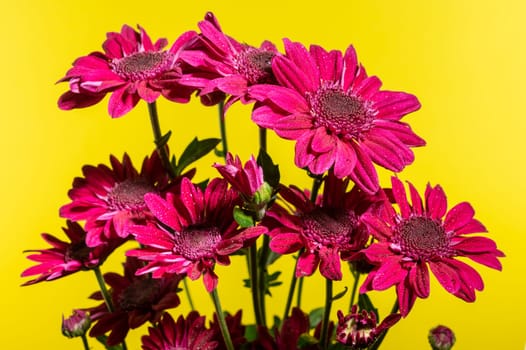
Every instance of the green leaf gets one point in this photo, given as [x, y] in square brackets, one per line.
[194, 151]
[251, 332]
[102, 339]
[242, 218]
[270, 170]
[339, 295]
[365, 303]
[306, 340]
[315, 317]
[163, 140]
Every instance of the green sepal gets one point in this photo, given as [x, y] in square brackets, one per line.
[306, 340]
[365, 303]
[242, 218]
[315, 317]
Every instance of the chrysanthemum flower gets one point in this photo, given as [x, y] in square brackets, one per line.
[227, 66]
[136, 300]
[249, 182]
[425, 236]
[77, 324]
[190, 333]
[328, 231]
[66, 258]
[196, 230]
[337, 114]
[131, 68]
[110, 199]
[359, 330]
[441, 338]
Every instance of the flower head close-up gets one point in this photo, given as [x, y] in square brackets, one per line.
[425, 236]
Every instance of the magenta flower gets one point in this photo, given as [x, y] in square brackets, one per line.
[359, 330]
[190, 333]
[131, 68]
[246, 180]
[196, 230]
[110, 199]
[66, 258]
[337, 114]
[77, 324]
[225, 66]
[136, 300]
[328, 231]
[426, 236]
[441, 338]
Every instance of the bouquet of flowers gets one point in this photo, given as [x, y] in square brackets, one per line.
[343, 126]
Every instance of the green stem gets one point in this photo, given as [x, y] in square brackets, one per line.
[316, 184]
[291, 294]
[103, 289]
[263, 139]
[324, 337]
[157, 135]
[188, 295]
[221, 318]
[222, 127]
[85, 341]
[300, 291]
[265, 249]
[380, 339]
[356, 276]
[254, 284]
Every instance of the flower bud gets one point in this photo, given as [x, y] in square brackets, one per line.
[441, 338]
[77, 324]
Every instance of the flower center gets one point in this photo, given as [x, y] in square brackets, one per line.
[142, 65]
[256, 66]
[332, 228]
[195, 243]
[78, 251]
[423, 238]
[141, 294]
[129, 195]
[342, 114]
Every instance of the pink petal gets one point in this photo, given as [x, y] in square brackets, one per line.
[400, 197]
[419, 279]
[458, 216]
[416, 200]
[328, 63]
[364, 174]
[401, 131]
[286, 243]
[350, 68]
[393, 105]
[446, 275]
[389, 274]
[70, 100]
[378, 227]
[121, 102]
[290, 76]
[406, 297]
[345, 159]
[368, 87]
[162, 210]
[436, 202]
[306, 264]
[330, 266]
[304, 61]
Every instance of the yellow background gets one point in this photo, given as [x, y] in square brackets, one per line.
[465, 60]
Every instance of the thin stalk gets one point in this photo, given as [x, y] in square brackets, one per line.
[324, 337]
[254, 284]
[380, 339]
[291, 294]
[300, 292]
[265, 250]
[222, 127]
[157, 135]
[356, 276]
[188, 295]
[106, 296]
[85, 341]
[163, 153]
[102, 285]
[221, 318]
[316, 184]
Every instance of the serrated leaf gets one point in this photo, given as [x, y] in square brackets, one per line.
[339, 295]
[365, 303]
[163, 140]
[194, 151]
[242, 218]
[315, 317]
[102, 339]
[270, 170]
